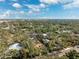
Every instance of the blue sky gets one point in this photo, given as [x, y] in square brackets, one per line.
[39, 9]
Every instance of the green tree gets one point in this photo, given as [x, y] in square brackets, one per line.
[72, 54]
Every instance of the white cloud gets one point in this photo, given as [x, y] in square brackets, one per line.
[36, 8]
[65, 3]
[14, 0]
[49, 1]
[8, 14]
[2, 0]
[42, 5]
[74, 4]
[5, 14]
[30, 11]
[16, 5]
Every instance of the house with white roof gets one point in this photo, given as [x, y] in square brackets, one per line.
[15, 46]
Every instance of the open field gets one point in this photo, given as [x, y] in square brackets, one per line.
[39, 39]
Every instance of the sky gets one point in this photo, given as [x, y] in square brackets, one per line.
[39, 9]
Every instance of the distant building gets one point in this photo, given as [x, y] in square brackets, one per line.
[15, 46]
[44, 34]
[66, 31]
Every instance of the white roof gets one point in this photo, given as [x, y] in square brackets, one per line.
[15, 46]
[44, 34]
